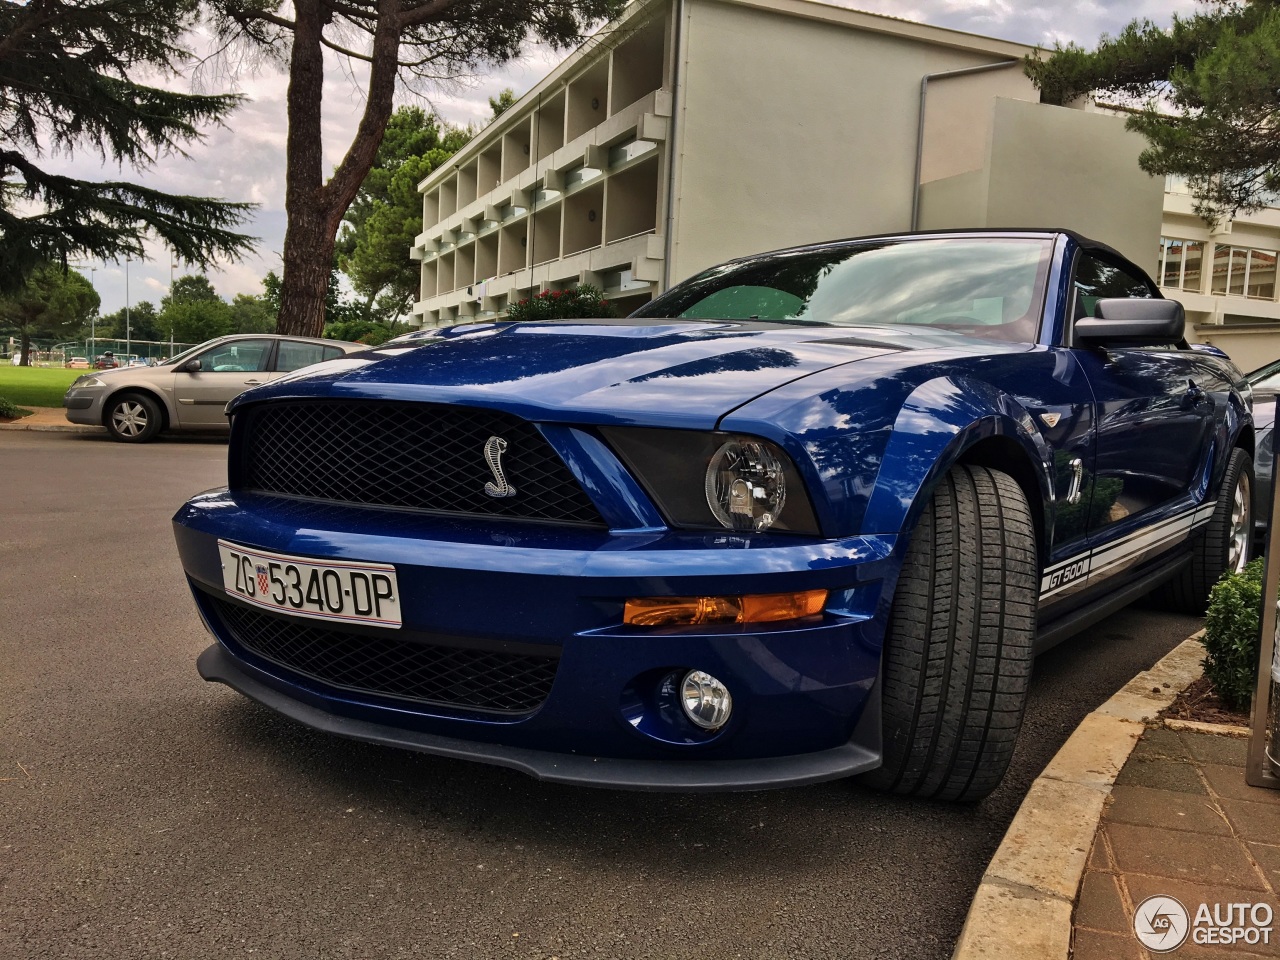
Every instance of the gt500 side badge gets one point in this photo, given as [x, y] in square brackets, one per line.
[494, 447]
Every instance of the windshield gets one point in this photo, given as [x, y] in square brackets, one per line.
[986, 287]
[186, 354]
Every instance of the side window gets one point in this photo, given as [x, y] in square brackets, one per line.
[294, 355]
[236, 356]
[1096, 279]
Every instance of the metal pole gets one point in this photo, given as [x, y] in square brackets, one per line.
[1264, 742]
[93, 321]
[172, 265]
[128, 323]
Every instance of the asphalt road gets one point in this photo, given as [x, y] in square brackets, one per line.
[145, 813]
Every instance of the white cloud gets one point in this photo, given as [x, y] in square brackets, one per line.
[245, 160]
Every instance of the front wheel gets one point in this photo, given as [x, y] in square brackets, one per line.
[957, 655]
[133, 418]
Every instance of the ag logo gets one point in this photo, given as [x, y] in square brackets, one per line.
[1161, 924]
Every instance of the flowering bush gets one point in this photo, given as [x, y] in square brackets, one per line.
[580, 304]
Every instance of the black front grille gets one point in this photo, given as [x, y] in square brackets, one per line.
[408, 455]
[489, 680]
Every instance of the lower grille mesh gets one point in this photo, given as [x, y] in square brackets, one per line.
[391, 667]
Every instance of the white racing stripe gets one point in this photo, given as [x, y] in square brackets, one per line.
[1126, 550]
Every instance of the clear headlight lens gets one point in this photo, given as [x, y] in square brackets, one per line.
[717, 481]
[88, 380]
[745, 487]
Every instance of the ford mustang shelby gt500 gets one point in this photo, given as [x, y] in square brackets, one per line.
[806, 515]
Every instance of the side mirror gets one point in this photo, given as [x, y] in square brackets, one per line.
[191, 366]
[1124, 322]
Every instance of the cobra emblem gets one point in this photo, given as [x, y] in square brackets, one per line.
[494, 447]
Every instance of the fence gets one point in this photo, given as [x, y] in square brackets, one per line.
[60, 354]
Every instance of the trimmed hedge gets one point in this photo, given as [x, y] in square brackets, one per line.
[1232, 634]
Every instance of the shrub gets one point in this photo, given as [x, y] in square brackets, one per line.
[10, 410]
[1232, 632]
[582, 303]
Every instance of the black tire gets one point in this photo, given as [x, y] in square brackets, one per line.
[957, 656]
[1215, 552]
[133, 418]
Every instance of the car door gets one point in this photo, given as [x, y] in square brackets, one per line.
[226, 370]
[1154, 408]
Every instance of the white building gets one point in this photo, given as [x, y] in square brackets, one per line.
[689, 132]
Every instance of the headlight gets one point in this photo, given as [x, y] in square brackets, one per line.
[746, 489]
[716, 480]
[88, 380]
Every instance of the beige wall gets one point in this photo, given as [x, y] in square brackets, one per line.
[1249, 346]
[957, 131]
[793, 130]
[1056, 167]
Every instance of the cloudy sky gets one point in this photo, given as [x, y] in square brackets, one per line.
[246, 160]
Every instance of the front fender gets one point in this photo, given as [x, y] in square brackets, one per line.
[940, 421]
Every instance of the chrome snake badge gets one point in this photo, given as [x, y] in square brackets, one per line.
[498, 487]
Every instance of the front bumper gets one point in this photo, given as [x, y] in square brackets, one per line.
[805, 698]
[84, 405]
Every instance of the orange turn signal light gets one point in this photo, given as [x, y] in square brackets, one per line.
[760, 608]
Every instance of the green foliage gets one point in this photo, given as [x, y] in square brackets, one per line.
[583, 303]
[502, 102]
[386, 216]
[250, 314]
[370, 332]
[338, 308]
[10, 410]
[1232, 633]
[53, 303]
[68, 83]
[1206, 95]
[142, 323]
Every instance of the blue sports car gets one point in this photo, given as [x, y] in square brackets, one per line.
[809, 514]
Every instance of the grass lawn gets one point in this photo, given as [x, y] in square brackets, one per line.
[36, 386]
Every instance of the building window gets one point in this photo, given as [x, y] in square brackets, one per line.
[1180, 264]
[1242, 272]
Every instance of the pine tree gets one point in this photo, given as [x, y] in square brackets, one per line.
[423, 40]
[66, 86]
[1204, 92]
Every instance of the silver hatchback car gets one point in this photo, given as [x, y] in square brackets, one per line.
[189, 391]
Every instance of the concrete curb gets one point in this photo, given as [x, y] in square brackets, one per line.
[1027, 895]
[49, 420]
[52, 427]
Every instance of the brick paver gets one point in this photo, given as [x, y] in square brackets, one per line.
[1181, 822]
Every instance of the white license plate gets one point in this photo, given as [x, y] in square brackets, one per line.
[339, 591]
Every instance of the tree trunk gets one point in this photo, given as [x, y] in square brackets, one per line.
[24, 347]
[314, 209]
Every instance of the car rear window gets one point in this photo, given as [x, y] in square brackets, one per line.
[988, 287]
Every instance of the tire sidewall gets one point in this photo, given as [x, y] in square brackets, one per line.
[153, 417]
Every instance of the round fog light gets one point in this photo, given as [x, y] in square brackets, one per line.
[705, 699]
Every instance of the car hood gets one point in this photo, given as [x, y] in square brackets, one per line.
[662, 373]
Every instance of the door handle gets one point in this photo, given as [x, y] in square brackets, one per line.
[252, 383]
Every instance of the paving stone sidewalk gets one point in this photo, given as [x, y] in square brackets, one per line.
[1181, 822]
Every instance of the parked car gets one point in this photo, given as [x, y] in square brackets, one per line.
[139, 362]
[191, 390]
[1265, 384]
[808, 514]
[106, 361]
[78, 363]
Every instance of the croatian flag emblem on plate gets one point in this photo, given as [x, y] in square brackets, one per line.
[263, 583]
